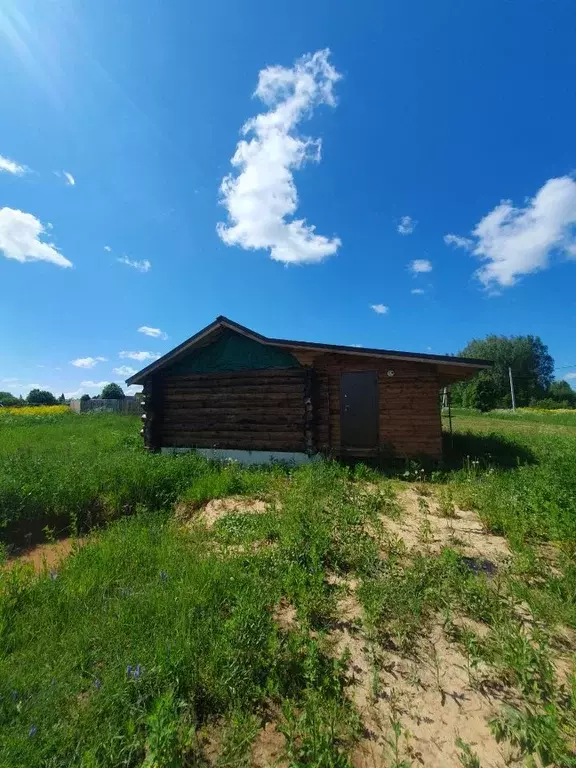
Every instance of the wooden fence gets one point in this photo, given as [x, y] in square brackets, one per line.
[125, 405]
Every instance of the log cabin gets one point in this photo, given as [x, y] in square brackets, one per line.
[229, 392]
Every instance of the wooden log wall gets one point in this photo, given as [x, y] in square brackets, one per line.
[409, 421]
[245, 410]
[151, 413]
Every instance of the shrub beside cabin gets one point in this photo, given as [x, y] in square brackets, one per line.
[230, 392]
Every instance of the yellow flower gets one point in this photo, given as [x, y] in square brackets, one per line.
[35, 410]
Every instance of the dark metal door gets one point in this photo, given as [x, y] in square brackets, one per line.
[359, 409]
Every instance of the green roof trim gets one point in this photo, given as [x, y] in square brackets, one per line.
[232, 351]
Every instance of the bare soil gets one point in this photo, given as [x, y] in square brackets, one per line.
[48, 555]
[422, 526]
[216, 509]
[429, 692]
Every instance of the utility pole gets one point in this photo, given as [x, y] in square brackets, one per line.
[512, 389]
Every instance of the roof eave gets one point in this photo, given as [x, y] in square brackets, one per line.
[224, 322]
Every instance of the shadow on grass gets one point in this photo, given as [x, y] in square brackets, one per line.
[460, 450]
[489, 450]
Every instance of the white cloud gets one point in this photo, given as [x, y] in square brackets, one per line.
[458, 242]
[70, 180]
[87, 362]
[10, 380]
[568, 376]
[380, 309]
[10, 166]
[93, 384]
[406, 225]
[155, 333]
[262, 198]
[417, 291]
[420, 265]
[124, 370]
[75, 394]
[107, 248]
[20, 239]
[513, 242]
[140, 356]
[142, 266]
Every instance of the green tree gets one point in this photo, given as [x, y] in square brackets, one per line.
[84, 398]
[112, 392]
[532, 368]
[7, 398]
[62, 399]
[40, 397]
[561, 389]
[480, 393]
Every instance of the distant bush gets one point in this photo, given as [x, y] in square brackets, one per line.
[40, 397]
[112, 392]
[7, 398]
[551, 404]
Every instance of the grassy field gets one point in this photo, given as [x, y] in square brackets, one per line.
[327, 616]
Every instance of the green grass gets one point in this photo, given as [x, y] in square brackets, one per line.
[70, 472]
[156, 640]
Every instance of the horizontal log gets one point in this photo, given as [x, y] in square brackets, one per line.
[226, 428]
[236, 434]
[295, 388]
[253, 373]
[214, 416]
[294, 409]
[243, 444]
[252, 398]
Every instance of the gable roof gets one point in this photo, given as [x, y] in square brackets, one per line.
[205, 335]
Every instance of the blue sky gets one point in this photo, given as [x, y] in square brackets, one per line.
[119, 124]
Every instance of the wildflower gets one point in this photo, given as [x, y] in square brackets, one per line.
[15, 695]
[97, 684]
[163, 575]
[32, 732]
[53, 574]
[134, 672]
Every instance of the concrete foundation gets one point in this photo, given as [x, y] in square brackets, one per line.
[248, 457]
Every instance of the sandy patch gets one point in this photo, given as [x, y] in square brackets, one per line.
[268, 748]
[284, 615]
[216, 509]
[430, 695]
[421, 527]
[48, 555]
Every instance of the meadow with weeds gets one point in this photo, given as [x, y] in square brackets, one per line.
[307, 631]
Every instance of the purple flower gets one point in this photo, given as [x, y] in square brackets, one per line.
[32, 732]
[97, 684]
[163, 575]
[134, 672]
[15, 695]
[53, 575]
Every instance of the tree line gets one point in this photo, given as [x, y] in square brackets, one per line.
[532, 372]
[528, 357]
[44, 397]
